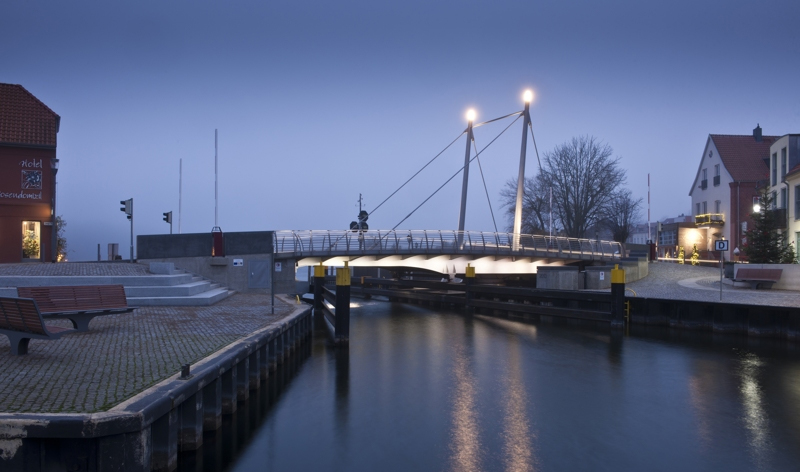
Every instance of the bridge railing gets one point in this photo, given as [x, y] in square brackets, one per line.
[312, 243]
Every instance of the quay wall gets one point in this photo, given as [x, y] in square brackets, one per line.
[147, 431]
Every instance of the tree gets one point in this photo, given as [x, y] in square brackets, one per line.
[621, 214]
[764, 244]
[583, 176]
[535, 205]
[61, 239]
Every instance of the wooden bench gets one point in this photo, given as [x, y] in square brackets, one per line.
[758, 278]
[21, 321]
[78, 303]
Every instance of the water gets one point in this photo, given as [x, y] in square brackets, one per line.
[421, 390]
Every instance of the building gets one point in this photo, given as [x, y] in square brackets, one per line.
[784, 184]
[28, 167]
[724, 188]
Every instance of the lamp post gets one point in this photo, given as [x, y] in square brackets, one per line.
[54, 230]
[527, 97]
[463, 213]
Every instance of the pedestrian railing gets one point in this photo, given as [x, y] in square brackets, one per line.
[331, 243]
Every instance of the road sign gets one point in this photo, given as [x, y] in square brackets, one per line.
[721, 245]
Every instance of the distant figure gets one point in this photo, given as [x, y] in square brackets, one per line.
[410, 241]
[360, 241]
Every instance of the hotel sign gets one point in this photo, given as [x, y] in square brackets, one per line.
[30, 181]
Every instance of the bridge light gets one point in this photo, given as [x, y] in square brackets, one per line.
[471, 115]
[527, 97]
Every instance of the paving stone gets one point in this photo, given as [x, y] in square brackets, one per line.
[122, 355]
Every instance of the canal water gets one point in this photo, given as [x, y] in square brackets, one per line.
[420, 389]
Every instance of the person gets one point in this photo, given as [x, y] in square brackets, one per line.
[360, 240]
[410, 241]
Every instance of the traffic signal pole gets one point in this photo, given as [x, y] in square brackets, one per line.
[127, 208]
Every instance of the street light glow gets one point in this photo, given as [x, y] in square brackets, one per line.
[471, 115]
[756, 208]
[527, 97]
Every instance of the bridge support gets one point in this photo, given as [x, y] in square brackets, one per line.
[470, 280]
[342, 318]
[617, 297]
[319, 285]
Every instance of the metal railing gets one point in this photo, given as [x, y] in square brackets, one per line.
[709, 219]
[332, 243]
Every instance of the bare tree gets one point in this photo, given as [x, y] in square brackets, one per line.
[584, 177]
[622, 213]
[535, 205]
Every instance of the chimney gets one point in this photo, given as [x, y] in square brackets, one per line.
[757, 133]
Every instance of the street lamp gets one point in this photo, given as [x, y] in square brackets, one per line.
[527, 97]
[471, 115]
[54, 230]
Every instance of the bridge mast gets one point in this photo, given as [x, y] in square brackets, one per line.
[462, 215]
[527, 97]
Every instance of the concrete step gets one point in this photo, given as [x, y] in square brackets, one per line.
[8, 292]
[127, 281]
[182, 290]
[202, 299]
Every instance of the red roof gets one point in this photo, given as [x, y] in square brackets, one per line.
[24, 119]
[743, 156]
[793, 170]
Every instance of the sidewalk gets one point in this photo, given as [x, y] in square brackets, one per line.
[122, 355]
[687, 282]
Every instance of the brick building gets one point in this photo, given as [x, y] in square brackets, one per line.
[28, 167]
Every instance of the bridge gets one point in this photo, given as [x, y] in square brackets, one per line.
[445, 251]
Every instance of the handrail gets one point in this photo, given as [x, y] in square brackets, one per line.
[308, 243]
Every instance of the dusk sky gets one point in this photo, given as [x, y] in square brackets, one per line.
[316, 102]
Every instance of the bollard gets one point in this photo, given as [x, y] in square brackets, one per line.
[342, 321]
[470, 280]
[617, 297]
[319, 283]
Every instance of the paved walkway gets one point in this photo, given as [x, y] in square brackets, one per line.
[39, 269]
[687, 282]
[122, 355]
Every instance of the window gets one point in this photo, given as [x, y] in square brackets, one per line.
[797, 202]
[705, 174]
[705, 208]
[718, 206]
[756, 204]
[716, 170]
[697, 209]
[783, 198]
[775, 169]
[783, 164]
[31, 240]
[774, 200]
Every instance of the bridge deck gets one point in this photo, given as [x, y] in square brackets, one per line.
[434, 243]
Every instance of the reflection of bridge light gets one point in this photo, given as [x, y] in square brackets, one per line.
[466, 444]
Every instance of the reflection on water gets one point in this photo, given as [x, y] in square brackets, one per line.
[755, 416]
[519, 440]
[465, 442]
[425, 390]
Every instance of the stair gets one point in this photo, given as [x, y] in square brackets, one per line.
[179, 288]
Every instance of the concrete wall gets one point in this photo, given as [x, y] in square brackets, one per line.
[569, 278]
[790, 278]
[559, 278]
[221, 270]
[163, 246]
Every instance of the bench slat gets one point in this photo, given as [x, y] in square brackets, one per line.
[59, 299]
[19, 314]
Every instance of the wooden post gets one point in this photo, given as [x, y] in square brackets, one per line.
[342, 322]
[617, 297]
[319, 283]
[470, 280]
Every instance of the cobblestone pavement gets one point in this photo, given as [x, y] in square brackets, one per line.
[30, 269]
[122, 355]
[686, 282]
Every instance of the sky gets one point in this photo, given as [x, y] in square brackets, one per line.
[318, 102]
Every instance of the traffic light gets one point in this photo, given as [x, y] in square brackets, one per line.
[168, 217]
[127, 207]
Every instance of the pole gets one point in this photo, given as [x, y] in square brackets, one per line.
[216, 194]
[649, 238]
[272, 284]
[551, 212]
[463, 213]
[721, 271]
[521, 178]
[180, 192]
[131, 230]
[617, 297]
